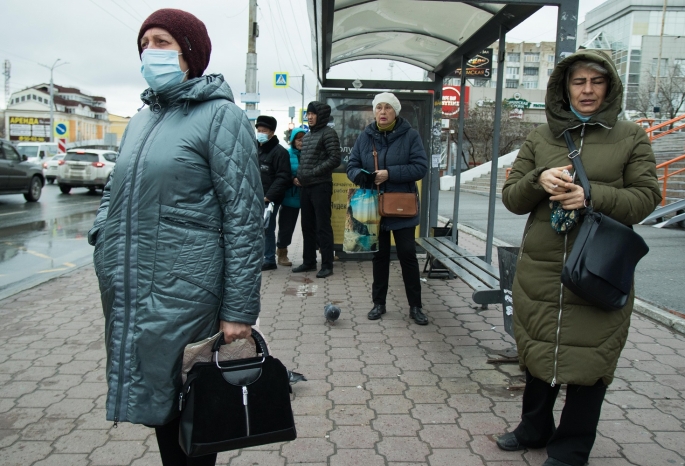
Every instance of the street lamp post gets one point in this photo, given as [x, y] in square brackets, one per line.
[52, 103]
[301, 92]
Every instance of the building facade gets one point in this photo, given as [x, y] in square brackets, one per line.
[527, 65]
[27, 118]
[631, 29]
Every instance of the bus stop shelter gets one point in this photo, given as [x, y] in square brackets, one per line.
[439, 36]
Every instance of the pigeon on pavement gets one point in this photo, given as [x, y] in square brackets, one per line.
[331, 313]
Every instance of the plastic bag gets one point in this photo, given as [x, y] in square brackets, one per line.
[268, 212]
[362, 222]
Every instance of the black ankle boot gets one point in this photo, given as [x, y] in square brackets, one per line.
[418, 316]
[377, 311]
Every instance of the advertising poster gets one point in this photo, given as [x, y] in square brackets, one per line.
[29, 129]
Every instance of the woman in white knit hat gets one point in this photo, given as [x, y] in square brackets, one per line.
[402, 162]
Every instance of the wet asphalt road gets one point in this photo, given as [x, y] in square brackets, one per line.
[660, 275]
[41, 240]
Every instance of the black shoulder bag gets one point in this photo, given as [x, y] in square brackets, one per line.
[227, 405]
[601, 265]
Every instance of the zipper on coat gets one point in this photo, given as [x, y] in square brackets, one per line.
[247, 412]
[561, 304]
[127, 258]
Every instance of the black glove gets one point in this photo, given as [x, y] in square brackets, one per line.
[365, 180]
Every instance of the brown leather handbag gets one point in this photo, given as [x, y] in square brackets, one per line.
[404, 205]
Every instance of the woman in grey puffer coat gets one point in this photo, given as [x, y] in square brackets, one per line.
[178, 236]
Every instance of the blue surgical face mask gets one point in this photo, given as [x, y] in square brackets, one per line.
[262, 138]
[161, 69]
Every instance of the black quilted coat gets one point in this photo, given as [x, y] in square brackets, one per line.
[320, 153]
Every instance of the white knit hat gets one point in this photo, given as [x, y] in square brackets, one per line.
[387, 98]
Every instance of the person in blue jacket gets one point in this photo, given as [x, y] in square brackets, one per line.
[401, 162]
[179, 234]
[290, 207]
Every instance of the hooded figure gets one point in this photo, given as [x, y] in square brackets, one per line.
[290, 208]
[320, 155]
[561, 338]
[178, 236]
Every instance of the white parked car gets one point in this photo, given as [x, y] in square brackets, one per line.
[51, 167]
[88, 168]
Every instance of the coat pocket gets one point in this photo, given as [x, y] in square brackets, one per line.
[189, 255]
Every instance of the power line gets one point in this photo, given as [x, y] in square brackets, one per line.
[126, 11]
[134, 9]
[284, 35]
[129, 27]
[298, 35]
[278, 55]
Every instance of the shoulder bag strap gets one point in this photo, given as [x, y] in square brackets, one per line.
[375, 161]
[574, 155]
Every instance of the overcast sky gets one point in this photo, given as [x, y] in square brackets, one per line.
[97, 39]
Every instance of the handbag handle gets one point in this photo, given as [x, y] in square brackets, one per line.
[574, 155]
[258, 338]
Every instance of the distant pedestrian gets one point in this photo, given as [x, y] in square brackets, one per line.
[290, 207]
[320, 155]
[179, 233]
[274, 165]
[402, 162]
[561, 338]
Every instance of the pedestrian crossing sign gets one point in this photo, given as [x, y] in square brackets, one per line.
[280, 79]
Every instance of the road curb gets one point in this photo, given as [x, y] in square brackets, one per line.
[663, 316]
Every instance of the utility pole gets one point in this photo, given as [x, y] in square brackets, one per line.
[7, 68]
[52, 99]
[658, 61]
[251, 98]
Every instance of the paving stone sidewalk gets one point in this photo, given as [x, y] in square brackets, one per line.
[384, 392]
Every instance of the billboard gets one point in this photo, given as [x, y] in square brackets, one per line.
[29, 129]
[478, 67]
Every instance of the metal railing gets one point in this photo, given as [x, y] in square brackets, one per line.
[655, 131]
[667, 175]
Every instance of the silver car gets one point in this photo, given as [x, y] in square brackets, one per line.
[88, 168]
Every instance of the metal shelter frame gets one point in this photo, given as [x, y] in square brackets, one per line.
[505, 15]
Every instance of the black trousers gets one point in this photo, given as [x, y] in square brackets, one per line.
[406, 253]
[287, 220]
[572, 441]
[315, 204]
[170, 450]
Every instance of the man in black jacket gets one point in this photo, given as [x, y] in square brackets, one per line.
[274, 165]
[320, 155]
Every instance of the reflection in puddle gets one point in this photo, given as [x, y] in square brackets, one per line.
[302, 291]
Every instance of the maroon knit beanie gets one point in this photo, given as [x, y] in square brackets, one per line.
[189, 32]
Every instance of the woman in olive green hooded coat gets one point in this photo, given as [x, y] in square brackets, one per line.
[561, 338]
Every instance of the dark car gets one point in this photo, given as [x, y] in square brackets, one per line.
[17, 175]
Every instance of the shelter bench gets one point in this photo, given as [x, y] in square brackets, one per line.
[482, 277]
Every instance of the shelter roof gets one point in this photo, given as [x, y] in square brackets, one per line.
[430, 34]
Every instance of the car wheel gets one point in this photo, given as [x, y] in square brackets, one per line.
[51, 180]
[65, 188]
[91, 189]
[35, 189]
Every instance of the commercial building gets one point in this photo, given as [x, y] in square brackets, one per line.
[85, 118]
[631, 30]
[117, 125]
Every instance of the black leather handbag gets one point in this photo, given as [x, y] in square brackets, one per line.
[601, 265]
[227, 405]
